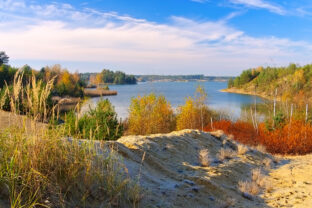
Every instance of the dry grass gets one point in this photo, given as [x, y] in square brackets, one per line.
[249, 187]
[30, 99]
[229, 202]
[226, 153]
[204, 158]
[261, 149]
[242, 149]
[43, 169]
[267, 162]
[37, 95]
[255, 185]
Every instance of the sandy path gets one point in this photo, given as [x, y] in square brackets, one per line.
[291, 184]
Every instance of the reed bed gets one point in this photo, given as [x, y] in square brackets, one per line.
[99, 92]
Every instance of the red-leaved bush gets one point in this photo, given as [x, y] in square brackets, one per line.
[293, 138]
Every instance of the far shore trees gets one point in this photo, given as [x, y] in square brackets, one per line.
[289, 84]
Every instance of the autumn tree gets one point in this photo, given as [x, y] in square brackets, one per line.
[98, 79]
[66, 83]
[194, 114]
[150, 114]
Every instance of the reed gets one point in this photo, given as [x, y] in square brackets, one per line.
[99, 92]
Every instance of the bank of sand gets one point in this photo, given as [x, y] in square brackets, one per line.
[172, 174]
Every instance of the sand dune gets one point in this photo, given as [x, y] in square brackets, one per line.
[172, 175]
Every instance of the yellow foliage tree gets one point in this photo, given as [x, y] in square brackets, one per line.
[150, 114]
[98, 79]
[194, 114]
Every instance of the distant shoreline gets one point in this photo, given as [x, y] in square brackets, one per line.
[240, 91]
[165, 80]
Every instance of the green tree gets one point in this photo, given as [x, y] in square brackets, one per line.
[100, 123]
[4, 59]
[230, 83]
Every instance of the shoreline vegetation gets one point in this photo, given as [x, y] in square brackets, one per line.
[291, 84]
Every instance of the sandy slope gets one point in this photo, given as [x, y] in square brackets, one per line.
[172, 175]
[291, 183]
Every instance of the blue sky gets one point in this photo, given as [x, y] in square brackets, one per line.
[211, 37]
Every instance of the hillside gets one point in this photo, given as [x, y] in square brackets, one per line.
[172, 175]
[291, 83]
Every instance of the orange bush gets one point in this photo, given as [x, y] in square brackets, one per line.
[293, 138]
[243, 132]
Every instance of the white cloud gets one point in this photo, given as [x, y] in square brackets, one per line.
[260, 4]
[140, 46]
[12, 5]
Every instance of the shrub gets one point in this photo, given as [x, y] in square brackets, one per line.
[150, 114]
[100, 123]
[292, 138]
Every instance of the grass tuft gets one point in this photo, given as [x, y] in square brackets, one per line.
[226, 153]
[204, 158]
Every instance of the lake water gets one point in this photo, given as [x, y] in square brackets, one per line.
[176, 92]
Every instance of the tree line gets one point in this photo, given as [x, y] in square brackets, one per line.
[109, 77]
[291, 83]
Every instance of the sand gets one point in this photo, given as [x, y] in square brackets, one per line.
[291, 183]
[172, 175]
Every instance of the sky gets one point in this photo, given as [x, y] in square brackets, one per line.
[211, 37]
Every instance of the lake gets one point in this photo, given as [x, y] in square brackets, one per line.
[176, 92]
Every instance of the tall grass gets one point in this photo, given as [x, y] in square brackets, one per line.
[30, 98]
[41, 168]
[37, 96]
[45, 169]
